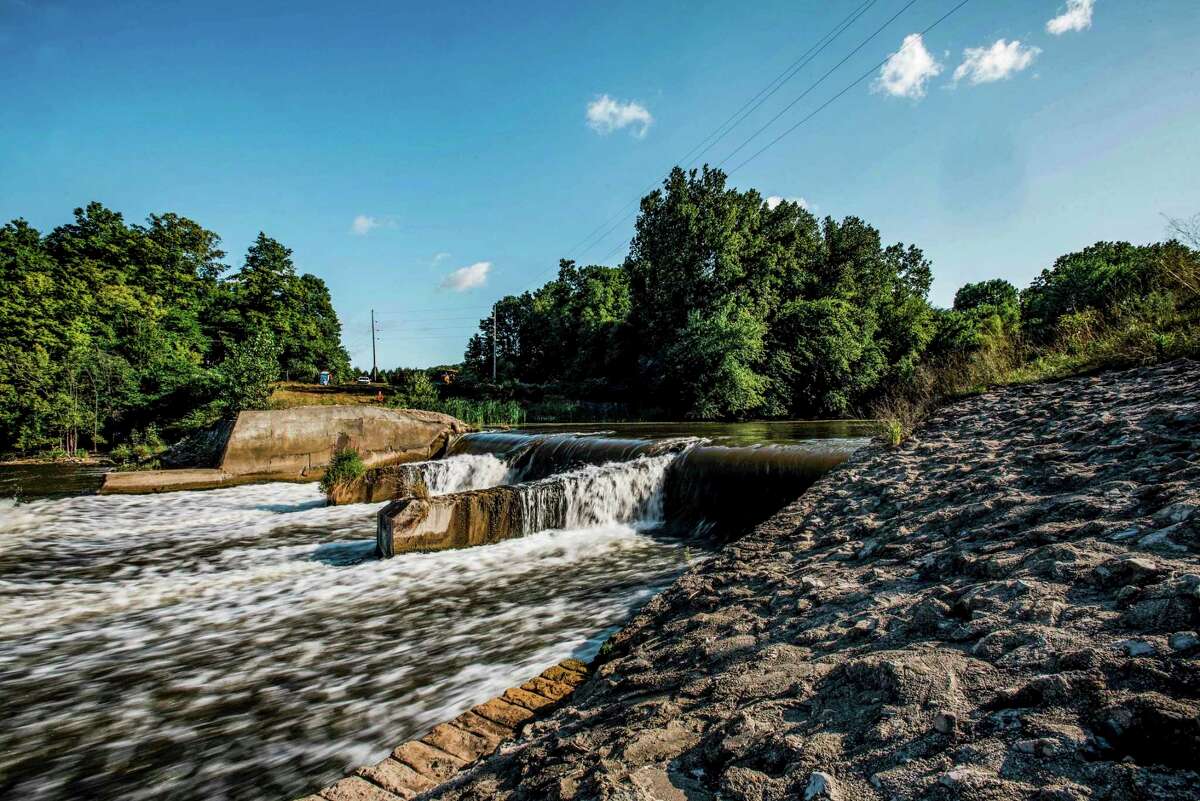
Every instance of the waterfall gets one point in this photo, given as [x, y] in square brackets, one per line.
[596, 495]
[462, 472]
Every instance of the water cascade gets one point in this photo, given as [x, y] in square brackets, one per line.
[245, 642]
[457, 473]
[571, 481]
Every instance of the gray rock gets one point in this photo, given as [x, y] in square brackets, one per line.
[1185, 642]
[945, 722]
[1136, 647]
[821, 785]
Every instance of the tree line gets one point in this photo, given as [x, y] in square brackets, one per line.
[109, 328]
[728, 307]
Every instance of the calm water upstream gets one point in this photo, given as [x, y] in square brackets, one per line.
[245, 643]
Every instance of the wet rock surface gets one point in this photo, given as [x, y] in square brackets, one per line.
[1004, 607]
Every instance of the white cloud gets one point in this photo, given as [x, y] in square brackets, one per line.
[995, 63]
[605, 115]
[363, 224]
[469, 277]
[907, 70]
[1077, 17]
[774, 200]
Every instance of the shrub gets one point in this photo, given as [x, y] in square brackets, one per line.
[892, 432]
[416, 391]
[346, 465]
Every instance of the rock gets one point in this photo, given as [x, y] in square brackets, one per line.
[1131, 570]
[1136, 647]
[1161, 540]
[811, 584]
[945, 722]
[1176, 513]
[821, 785]
[1185, 642]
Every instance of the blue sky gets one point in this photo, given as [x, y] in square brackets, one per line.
[425, 159]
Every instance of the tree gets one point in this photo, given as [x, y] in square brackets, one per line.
[711, 364]
[108, 327]
[247, 373]
[414, 390]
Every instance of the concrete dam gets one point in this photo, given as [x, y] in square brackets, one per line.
[276, 650]
[495, 486]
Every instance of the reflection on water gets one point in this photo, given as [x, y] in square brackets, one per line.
[765, 432]
[244, 643]
[49, 480]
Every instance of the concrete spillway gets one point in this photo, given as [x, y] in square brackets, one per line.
[564, 481]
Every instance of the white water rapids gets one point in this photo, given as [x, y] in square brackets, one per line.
[244, 643]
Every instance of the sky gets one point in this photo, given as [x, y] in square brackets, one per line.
[425, 159]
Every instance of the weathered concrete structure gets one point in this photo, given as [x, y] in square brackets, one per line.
[462, 519]
[378, 484]
[422, 764]
[297, 444]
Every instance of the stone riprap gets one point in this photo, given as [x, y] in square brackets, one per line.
[1004, 607]
[297, 444]
[422, 764]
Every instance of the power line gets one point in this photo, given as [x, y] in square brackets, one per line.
[820, 80]
[798, 65]
[850, 86]
[721, 130]
[828, 102]
[786, 108]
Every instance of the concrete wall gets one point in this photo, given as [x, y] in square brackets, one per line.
[458, 520]
[299, 442]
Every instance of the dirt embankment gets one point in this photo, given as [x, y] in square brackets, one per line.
[1003, 608]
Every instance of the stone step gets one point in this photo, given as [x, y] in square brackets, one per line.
[419, 765]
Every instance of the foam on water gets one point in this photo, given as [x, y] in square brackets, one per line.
[244, 643]
[464, 472]
[595, 495]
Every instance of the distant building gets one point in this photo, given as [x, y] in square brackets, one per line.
[448, 376]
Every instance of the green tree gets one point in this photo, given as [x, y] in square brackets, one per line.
[414, 390]
[246, 375]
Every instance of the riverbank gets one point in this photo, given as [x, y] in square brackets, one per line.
[1003, 607]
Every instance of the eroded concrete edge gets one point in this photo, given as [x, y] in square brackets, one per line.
[422, 764]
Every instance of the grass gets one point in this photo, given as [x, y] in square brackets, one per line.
[1085, 344]
[346, 465]
[291, 394]
[482, 413]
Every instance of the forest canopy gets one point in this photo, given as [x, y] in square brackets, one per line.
[108, 328]
[730, 307]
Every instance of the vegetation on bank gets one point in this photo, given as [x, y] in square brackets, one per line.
[726, 307]
[415, 390]
[345, 466]
[109, 328]
[1109, 305]
[729, 308]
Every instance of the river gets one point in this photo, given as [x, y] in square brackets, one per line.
[246, 643]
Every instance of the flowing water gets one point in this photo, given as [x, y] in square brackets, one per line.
[245, 643]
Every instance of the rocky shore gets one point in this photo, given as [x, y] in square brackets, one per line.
[1005, 607]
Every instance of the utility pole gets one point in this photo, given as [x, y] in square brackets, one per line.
[374, 363]
[494, 343]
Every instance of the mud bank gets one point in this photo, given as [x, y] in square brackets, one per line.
[1004, 607]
